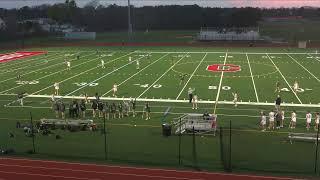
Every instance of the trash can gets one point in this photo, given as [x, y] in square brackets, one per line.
[166, 129]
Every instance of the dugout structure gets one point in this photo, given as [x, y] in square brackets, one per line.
[199, 123]
[228, 34]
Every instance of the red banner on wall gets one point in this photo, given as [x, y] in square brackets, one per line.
[19, 55]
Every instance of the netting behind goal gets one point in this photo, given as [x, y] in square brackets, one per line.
[302, 44]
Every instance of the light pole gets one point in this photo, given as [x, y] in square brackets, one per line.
[129, 19]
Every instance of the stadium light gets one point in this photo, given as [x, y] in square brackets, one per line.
[129, 19]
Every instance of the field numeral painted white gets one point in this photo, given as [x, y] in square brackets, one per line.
[226, 88]
[27, 82]
[86, 84]
[156, 86]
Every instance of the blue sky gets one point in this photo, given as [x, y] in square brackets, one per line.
[210, 3]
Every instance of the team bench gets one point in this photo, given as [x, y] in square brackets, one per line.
[308, 137]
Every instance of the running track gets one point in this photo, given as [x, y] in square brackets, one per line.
[18, 169]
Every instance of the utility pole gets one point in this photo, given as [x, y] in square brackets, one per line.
[129, 19]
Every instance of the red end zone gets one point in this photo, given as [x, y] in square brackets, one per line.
[19, 55]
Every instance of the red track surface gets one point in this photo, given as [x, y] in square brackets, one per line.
[25, 169]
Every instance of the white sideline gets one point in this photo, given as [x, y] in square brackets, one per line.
[136, 73]
[220, 83]
[178, 101]
[254, 85]
[49, 74]
[304, 68]
[162, 75]
[192, 75]
[284, 78]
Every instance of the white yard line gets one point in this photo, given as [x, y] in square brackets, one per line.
[38, 69]
[21, 61]
[32, 65]
[104, 76]
[191, 76]
[254, 85]
[220, 83]
[284, 78]
[317, 59]
[304, 68]
[162, 75]
[82, 72]
[178, 101]
[136, 73]
[50, 74]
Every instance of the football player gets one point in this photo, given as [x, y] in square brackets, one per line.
[235, 99]
[114, 89]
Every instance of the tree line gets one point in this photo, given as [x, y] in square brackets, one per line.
[170, 17]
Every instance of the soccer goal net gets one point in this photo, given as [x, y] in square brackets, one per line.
[302, 44]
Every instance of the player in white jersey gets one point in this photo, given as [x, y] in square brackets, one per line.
[308, 118]
[68, 65]
[293, 121]
[282, 119]
[115, 89]
[102, 64]
[295, 86]
[271, 120]
[263, 121]
[316, 121]
[235, 99]
[138, 64]
[56, 88]
[130, 58]
[195, 102]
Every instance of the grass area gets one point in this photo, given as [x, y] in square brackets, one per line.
[111, 37]
[291, 30]
[133, 140]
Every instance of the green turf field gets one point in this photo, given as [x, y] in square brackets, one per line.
[137, 141]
